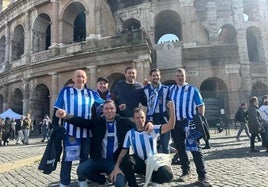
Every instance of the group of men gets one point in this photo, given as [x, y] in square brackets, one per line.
[93, 127]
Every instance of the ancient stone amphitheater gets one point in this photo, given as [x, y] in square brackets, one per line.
[223, 45]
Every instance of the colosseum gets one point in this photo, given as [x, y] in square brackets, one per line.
[223, 45]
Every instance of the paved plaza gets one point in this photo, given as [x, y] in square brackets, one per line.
[229, 163]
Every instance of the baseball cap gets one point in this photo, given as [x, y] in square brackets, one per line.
[102, 79]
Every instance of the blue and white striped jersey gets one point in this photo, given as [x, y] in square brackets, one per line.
[157, 98]
[77, 102]
[186, 98]
[110, 141]
[144, 145]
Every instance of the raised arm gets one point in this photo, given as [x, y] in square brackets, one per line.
[171, 122]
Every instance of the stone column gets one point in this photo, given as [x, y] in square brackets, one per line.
[7, 47]
[91, 19]
[27, 39]
[55, 23]
[92, 70]
[26, 97]
[54, 90]
[1, 5]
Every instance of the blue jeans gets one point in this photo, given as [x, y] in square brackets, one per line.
[178, 135]
[92, 169]
[66, 166]
[162, 118]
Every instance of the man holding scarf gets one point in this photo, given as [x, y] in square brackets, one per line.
[157, 96]
[188, 102]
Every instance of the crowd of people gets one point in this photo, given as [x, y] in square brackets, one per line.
[15, 129]
[112, 134]
[254, 120]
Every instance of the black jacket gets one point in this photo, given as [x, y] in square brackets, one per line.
[202, 125]
[98, 127]
[53, 151]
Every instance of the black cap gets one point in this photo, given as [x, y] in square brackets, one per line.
[102, 79]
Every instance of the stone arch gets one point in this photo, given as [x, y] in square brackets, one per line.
[168, 22]
[113, 79]
[255, 44]
[40, 102]
[41, 33]
[2, 49]
[131, 24]
[227, 34]
[214, 92]
[74, 23]
[17, 42]
[251, 9]
[16, 101]
[1, 103]
[259, 89]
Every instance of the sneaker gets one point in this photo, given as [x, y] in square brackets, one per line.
[204, 183]
[206, 147]
[238, 140]
[155, 184]
[183, 178]
[82, 184]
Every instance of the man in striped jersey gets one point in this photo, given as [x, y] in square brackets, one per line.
[188, 101]
[77, 100]
[108, 132]
[143, 144]
[157, 97]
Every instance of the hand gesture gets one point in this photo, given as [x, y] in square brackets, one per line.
[60, 113]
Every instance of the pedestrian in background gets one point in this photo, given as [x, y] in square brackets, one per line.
[241, 116]
[264, 115]
[254, 122]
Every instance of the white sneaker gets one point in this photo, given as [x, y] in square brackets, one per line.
[82, 184]
[155, 184]
[62, 185]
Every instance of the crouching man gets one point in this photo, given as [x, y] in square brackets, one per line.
[144, 146]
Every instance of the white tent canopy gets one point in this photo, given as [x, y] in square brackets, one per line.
[9, 113]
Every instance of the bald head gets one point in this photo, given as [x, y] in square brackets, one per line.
[80, 79]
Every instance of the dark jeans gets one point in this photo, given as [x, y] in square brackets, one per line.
[66, 166]
[92, 170]
[178, 135]
[252, 140]
[132, 164]
[160, 119]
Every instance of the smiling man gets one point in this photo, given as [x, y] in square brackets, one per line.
[129, 93]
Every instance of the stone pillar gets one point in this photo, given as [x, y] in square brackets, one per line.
[140, 71]
[55, 23]
[1, 5]
[54, 90]
[91, 19]
[27, 39]
[26, 97]
[92, 70]
[7, 47]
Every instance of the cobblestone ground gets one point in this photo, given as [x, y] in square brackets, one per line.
[229, 163]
